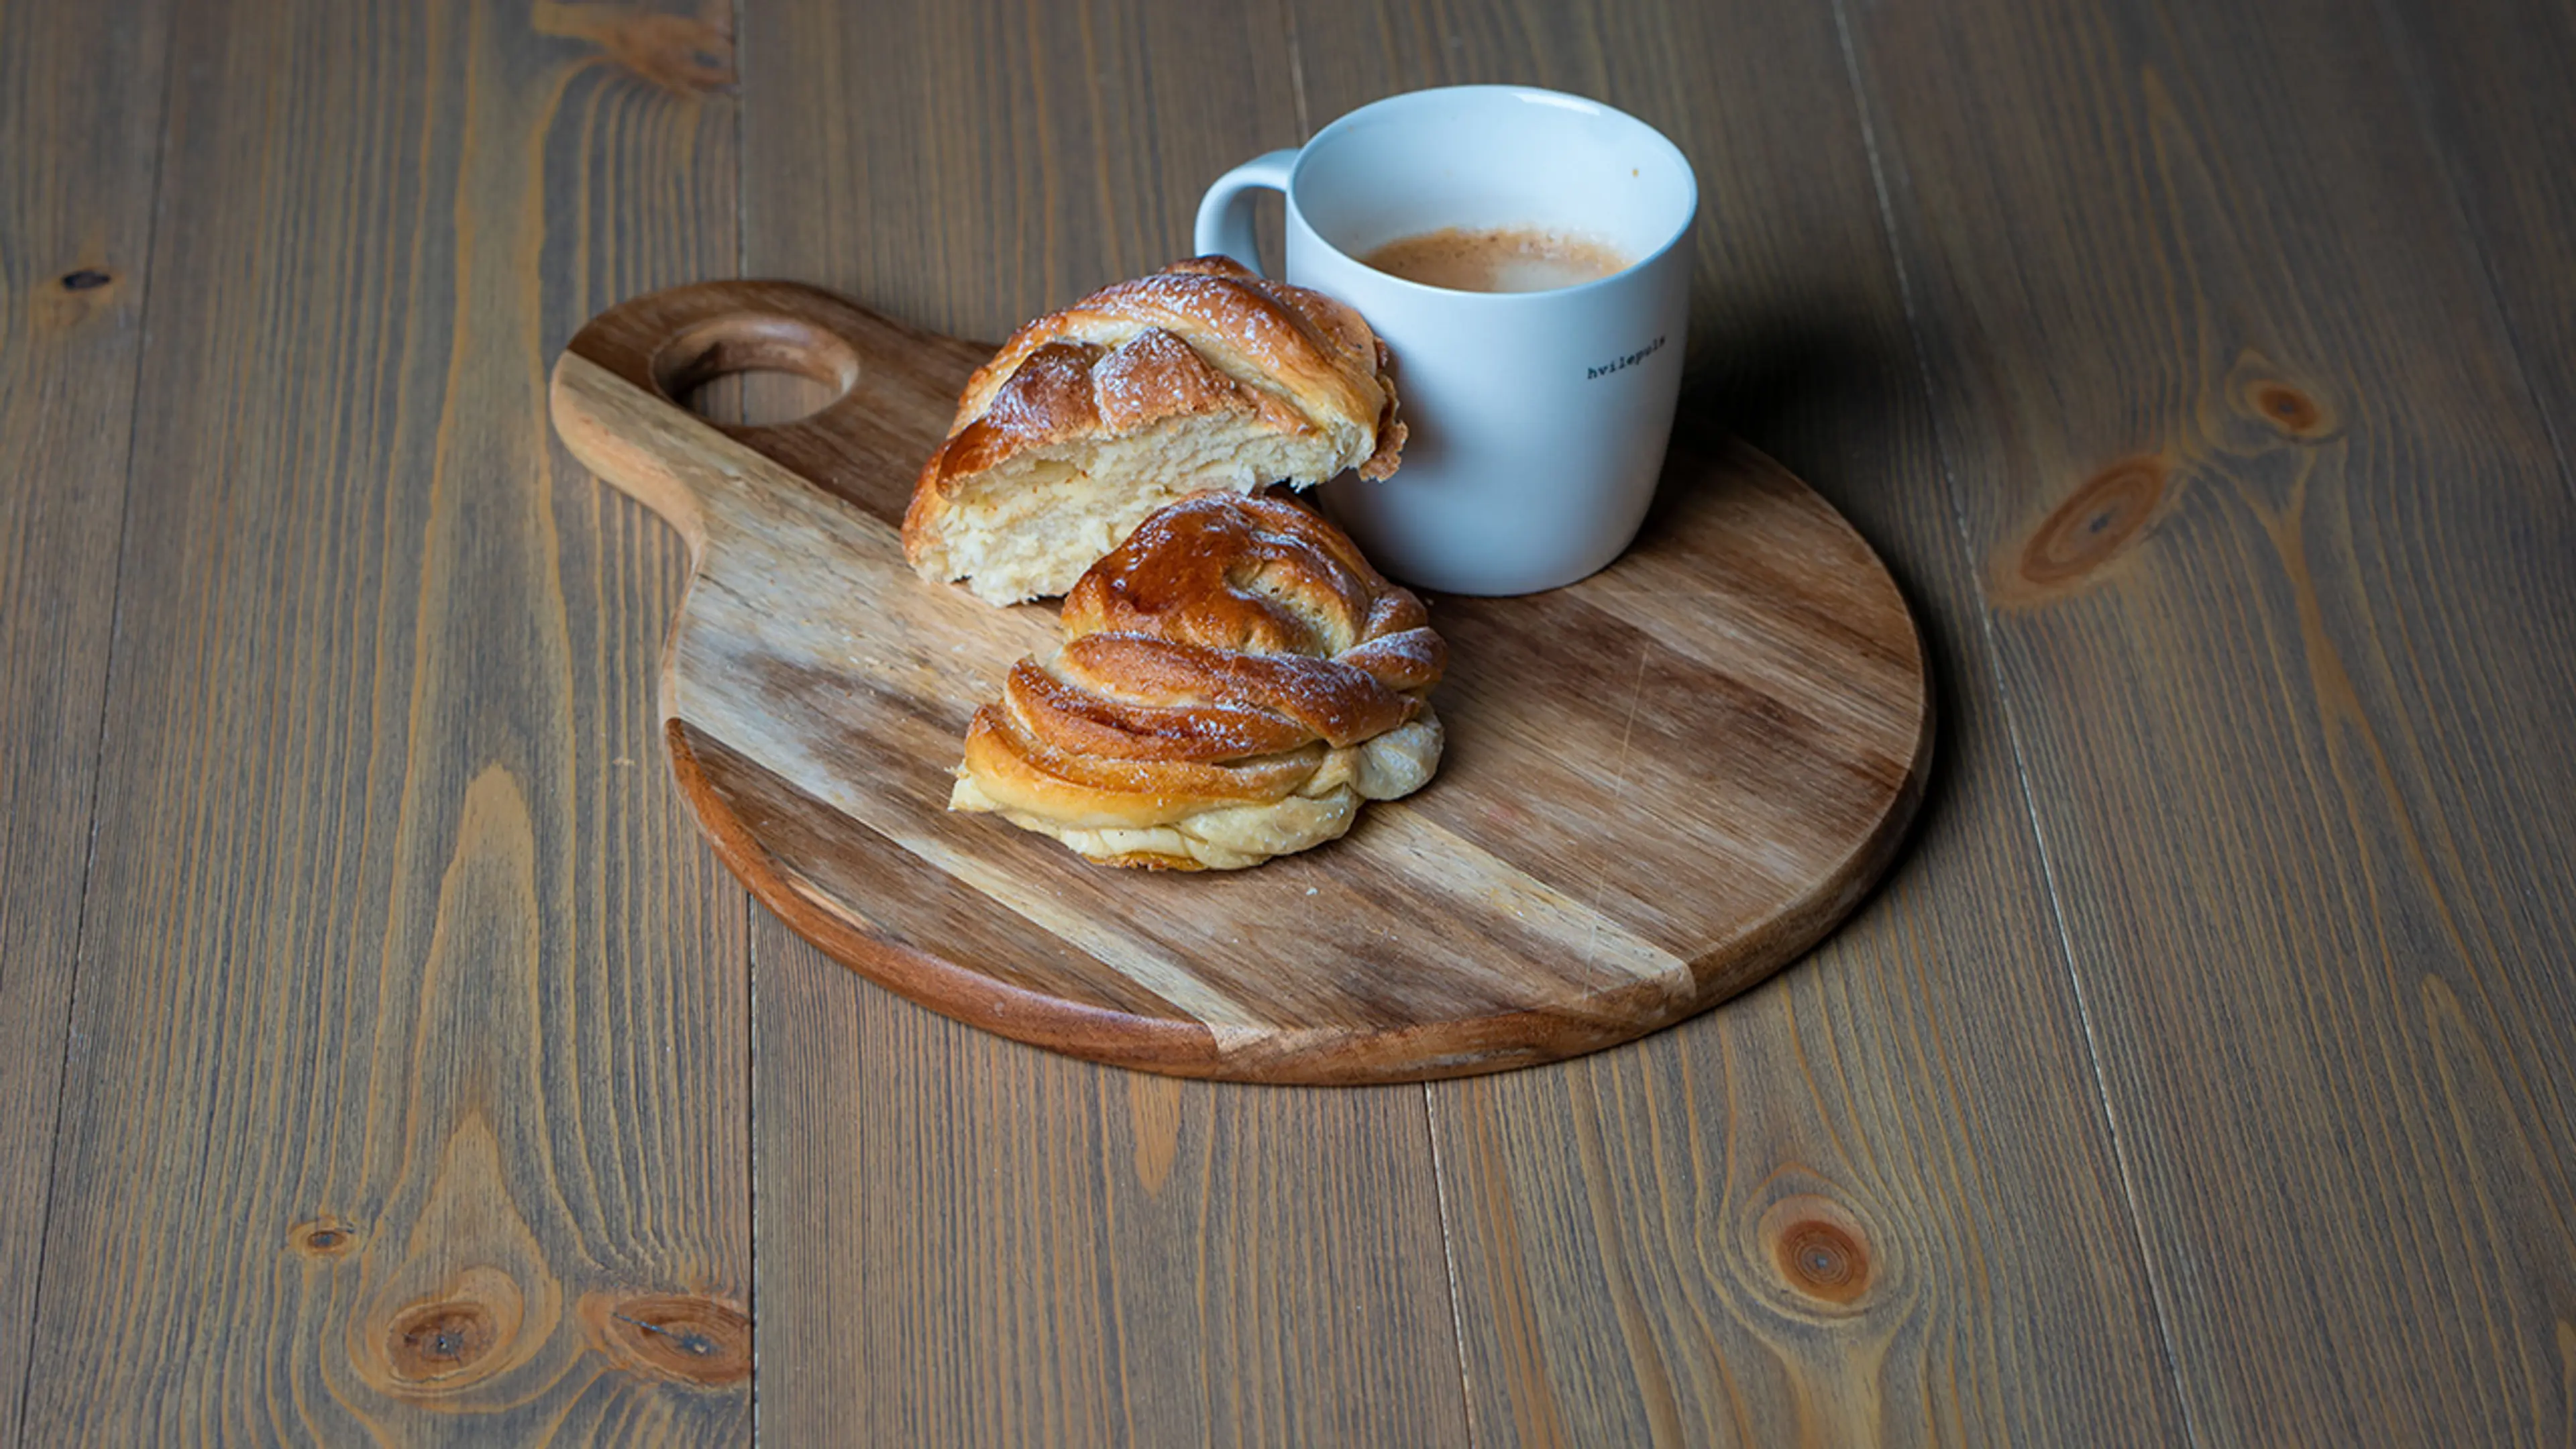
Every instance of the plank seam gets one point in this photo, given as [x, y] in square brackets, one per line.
[750, 907]
[107, 680]
[1449, 1257]
[1297, 80]
[2012, 730]
[751, 1132]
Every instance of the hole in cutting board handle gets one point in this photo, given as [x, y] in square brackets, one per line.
[753, 345]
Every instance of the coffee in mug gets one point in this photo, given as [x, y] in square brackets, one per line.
[1538, 418]
[1497, 259]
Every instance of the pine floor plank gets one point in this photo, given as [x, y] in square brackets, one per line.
[406, 1099]
[80, 124]
[2277, 544]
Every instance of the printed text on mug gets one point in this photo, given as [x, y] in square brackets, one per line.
[1631, 360]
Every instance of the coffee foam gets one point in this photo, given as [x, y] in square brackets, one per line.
[1497, 259]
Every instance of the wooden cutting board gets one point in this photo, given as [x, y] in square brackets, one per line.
[1662, 784]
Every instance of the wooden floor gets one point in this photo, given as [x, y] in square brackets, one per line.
[386, 1059]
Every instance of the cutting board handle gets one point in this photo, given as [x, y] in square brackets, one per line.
[894, 386]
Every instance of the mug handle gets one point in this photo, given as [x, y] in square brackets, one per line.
[1225, 213]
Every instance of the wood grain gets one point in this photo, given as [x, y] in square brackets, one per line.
[2492, 81]
[80, 124]
[1094, 1257]
[2278, 549]
[405, 1099]
[1587, 871]
[1873, 1201]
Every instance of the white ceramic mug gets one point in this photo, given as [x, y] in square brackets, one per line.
[1538, 419]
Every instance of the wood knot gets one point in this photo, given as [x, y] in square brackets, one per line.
[2096, 523]
[440, 1345]
[1823, 1261]
[432, 1341]
[2287, 409]
[322, 1238]
[2099, 522]
[1820, 1251]
[76, 296]
[682, 1337]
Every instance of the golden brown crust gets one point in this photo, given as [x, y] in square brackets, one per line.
[1234, 655]
[1203, 335]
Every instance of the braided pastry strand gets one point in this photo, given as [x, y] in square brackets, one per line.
[1202, 375]
[1235, 679]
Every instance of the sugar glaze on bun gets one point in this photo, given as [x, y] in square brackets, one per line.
[1235, 680]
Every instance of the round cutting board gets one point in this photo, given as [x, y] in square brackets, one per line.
[1662, 783]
